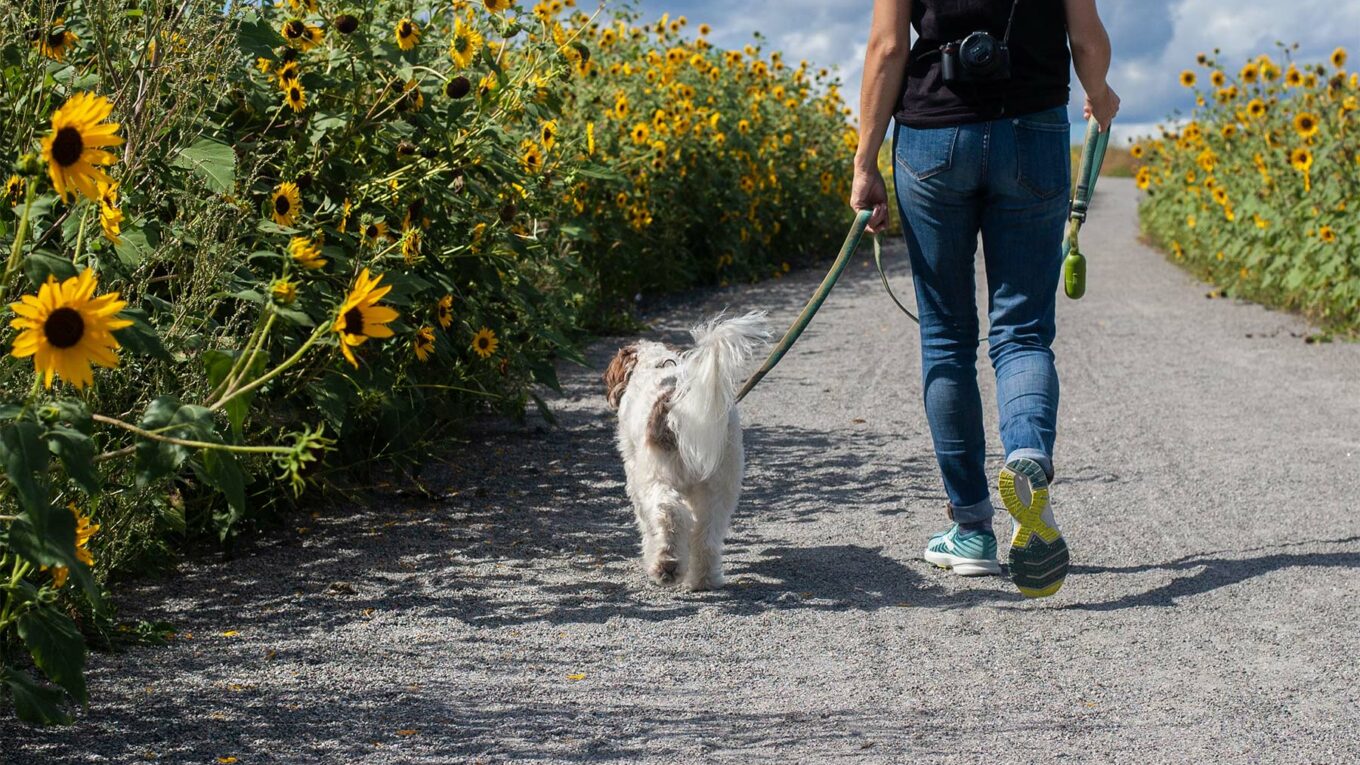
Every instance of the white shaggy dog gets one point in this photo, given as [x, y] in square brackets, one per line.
[680, 437]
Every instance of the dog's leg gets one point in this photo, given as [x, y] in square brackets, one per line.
[665, 545]
[713, 506]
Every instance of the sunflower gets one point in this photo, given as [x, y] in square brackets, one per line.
[1136, 151]
[65, 328]
[284, 291]
[496, 6]
[77, 144]
[1326, 234]
[288, 73]
[443, 311]
[621, 107]
[465, 43]
[641, 133]
[360, 317]
[1302, 159]
[590, 138]
[458, 87]
[531, 156]
[110, 217]
[1221, 195]
[301, 35]
[306, 253]
[1188, 79]
[1256, 108]
[285, 203]
[488, 85]
[1218, 78]
[56, 42]
[412, 100]
[704, 30]
[1306, 124]
[423, 343]
[410, 244]
[407, 33]
[295, 96]
[548, 134]
[346, 23]
[1293, 77]
[373, 231]
[84, 530]
[485, 342]
[1144, 178]
[1249, 74]
[1228, 131]
[14, 190]
[1339, 58]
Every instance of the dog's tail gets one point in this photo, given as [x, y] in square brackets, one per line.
[707, 387]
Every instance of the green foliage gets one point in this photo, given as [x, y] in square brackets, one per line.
[458, 207]
[1255, 192]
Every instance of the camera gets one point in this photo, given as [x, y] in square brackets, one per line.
[979, 57]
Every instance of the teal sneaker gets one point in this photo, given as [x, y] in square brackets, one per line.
[1038, 557]
[966, 553]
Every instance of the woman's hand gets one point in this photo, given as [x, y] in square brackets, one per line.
[1104, 106]
[869, 193]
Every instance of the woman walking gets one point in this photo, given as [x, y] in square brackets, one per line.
[981, 146]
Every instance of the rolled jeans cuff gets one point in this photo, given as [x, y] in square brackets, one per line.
[1045, 461]
[974, 513]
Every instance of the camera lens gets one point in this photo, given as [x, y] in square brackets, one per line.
[978, 51]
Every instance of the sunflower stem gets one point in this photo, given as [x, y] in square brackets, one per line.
[80, 235]
[240, 366]
[271, 374]
[187, 443]
[18, 247]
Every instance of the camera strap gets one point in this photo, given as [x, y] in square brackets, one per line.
[1006, 38]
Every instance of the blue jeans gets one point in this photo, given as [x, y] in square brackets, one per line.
[1009, 181]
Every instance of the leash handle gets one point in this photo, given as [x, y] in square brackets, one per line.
[813, 304]
[1092, 157]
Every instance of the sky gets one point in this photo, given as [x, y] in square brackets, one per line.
[1153, 40]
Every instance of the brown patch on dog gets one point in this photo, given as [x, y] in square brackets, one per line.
[659, 433]
[616, 376]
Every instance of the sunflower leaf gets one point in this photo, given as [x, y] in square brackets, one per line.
[223, 472]
[141, 337]
[34, 703]
[57, 648]
[213, 161]
[76, 452]
[25, 462]
[40, 264]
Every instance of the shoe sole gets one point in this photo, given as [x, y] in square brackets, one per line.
[1038, 558]
[963, 566]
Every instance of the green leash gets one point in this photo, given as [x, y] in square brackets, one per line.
[813, 303]
[1092, 157]
[1074, 264]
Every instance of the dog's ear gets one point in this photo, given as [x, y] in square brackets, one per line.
[616, 376]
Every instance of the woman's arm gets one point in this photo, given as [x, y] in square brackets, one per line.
[885, 63]
[1091, 58]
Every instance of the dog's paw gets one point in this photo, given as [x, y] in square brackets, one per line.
[664, 571]
[712, 581]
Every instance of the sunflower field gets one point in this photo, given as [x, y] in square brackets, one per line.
[253, 250]
[1255, 191]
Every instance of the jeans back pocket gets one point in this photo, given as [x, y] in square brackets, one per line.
[925, 152]
[1043, 152]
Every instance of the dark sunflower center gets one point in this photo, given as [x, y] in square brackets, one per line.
[282, 205]
[294, 29]
[483, 342]
[405, 29]
[56, 39]
[295, 94]
[354, 322]
[371, 232]
[460, 44]
[64, 327]
[67, 146]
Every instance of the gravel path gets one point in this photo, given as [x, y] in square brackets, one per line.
[1209, 477]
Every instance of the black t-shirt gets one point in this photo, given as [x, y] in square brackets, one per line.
[1040, 62]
